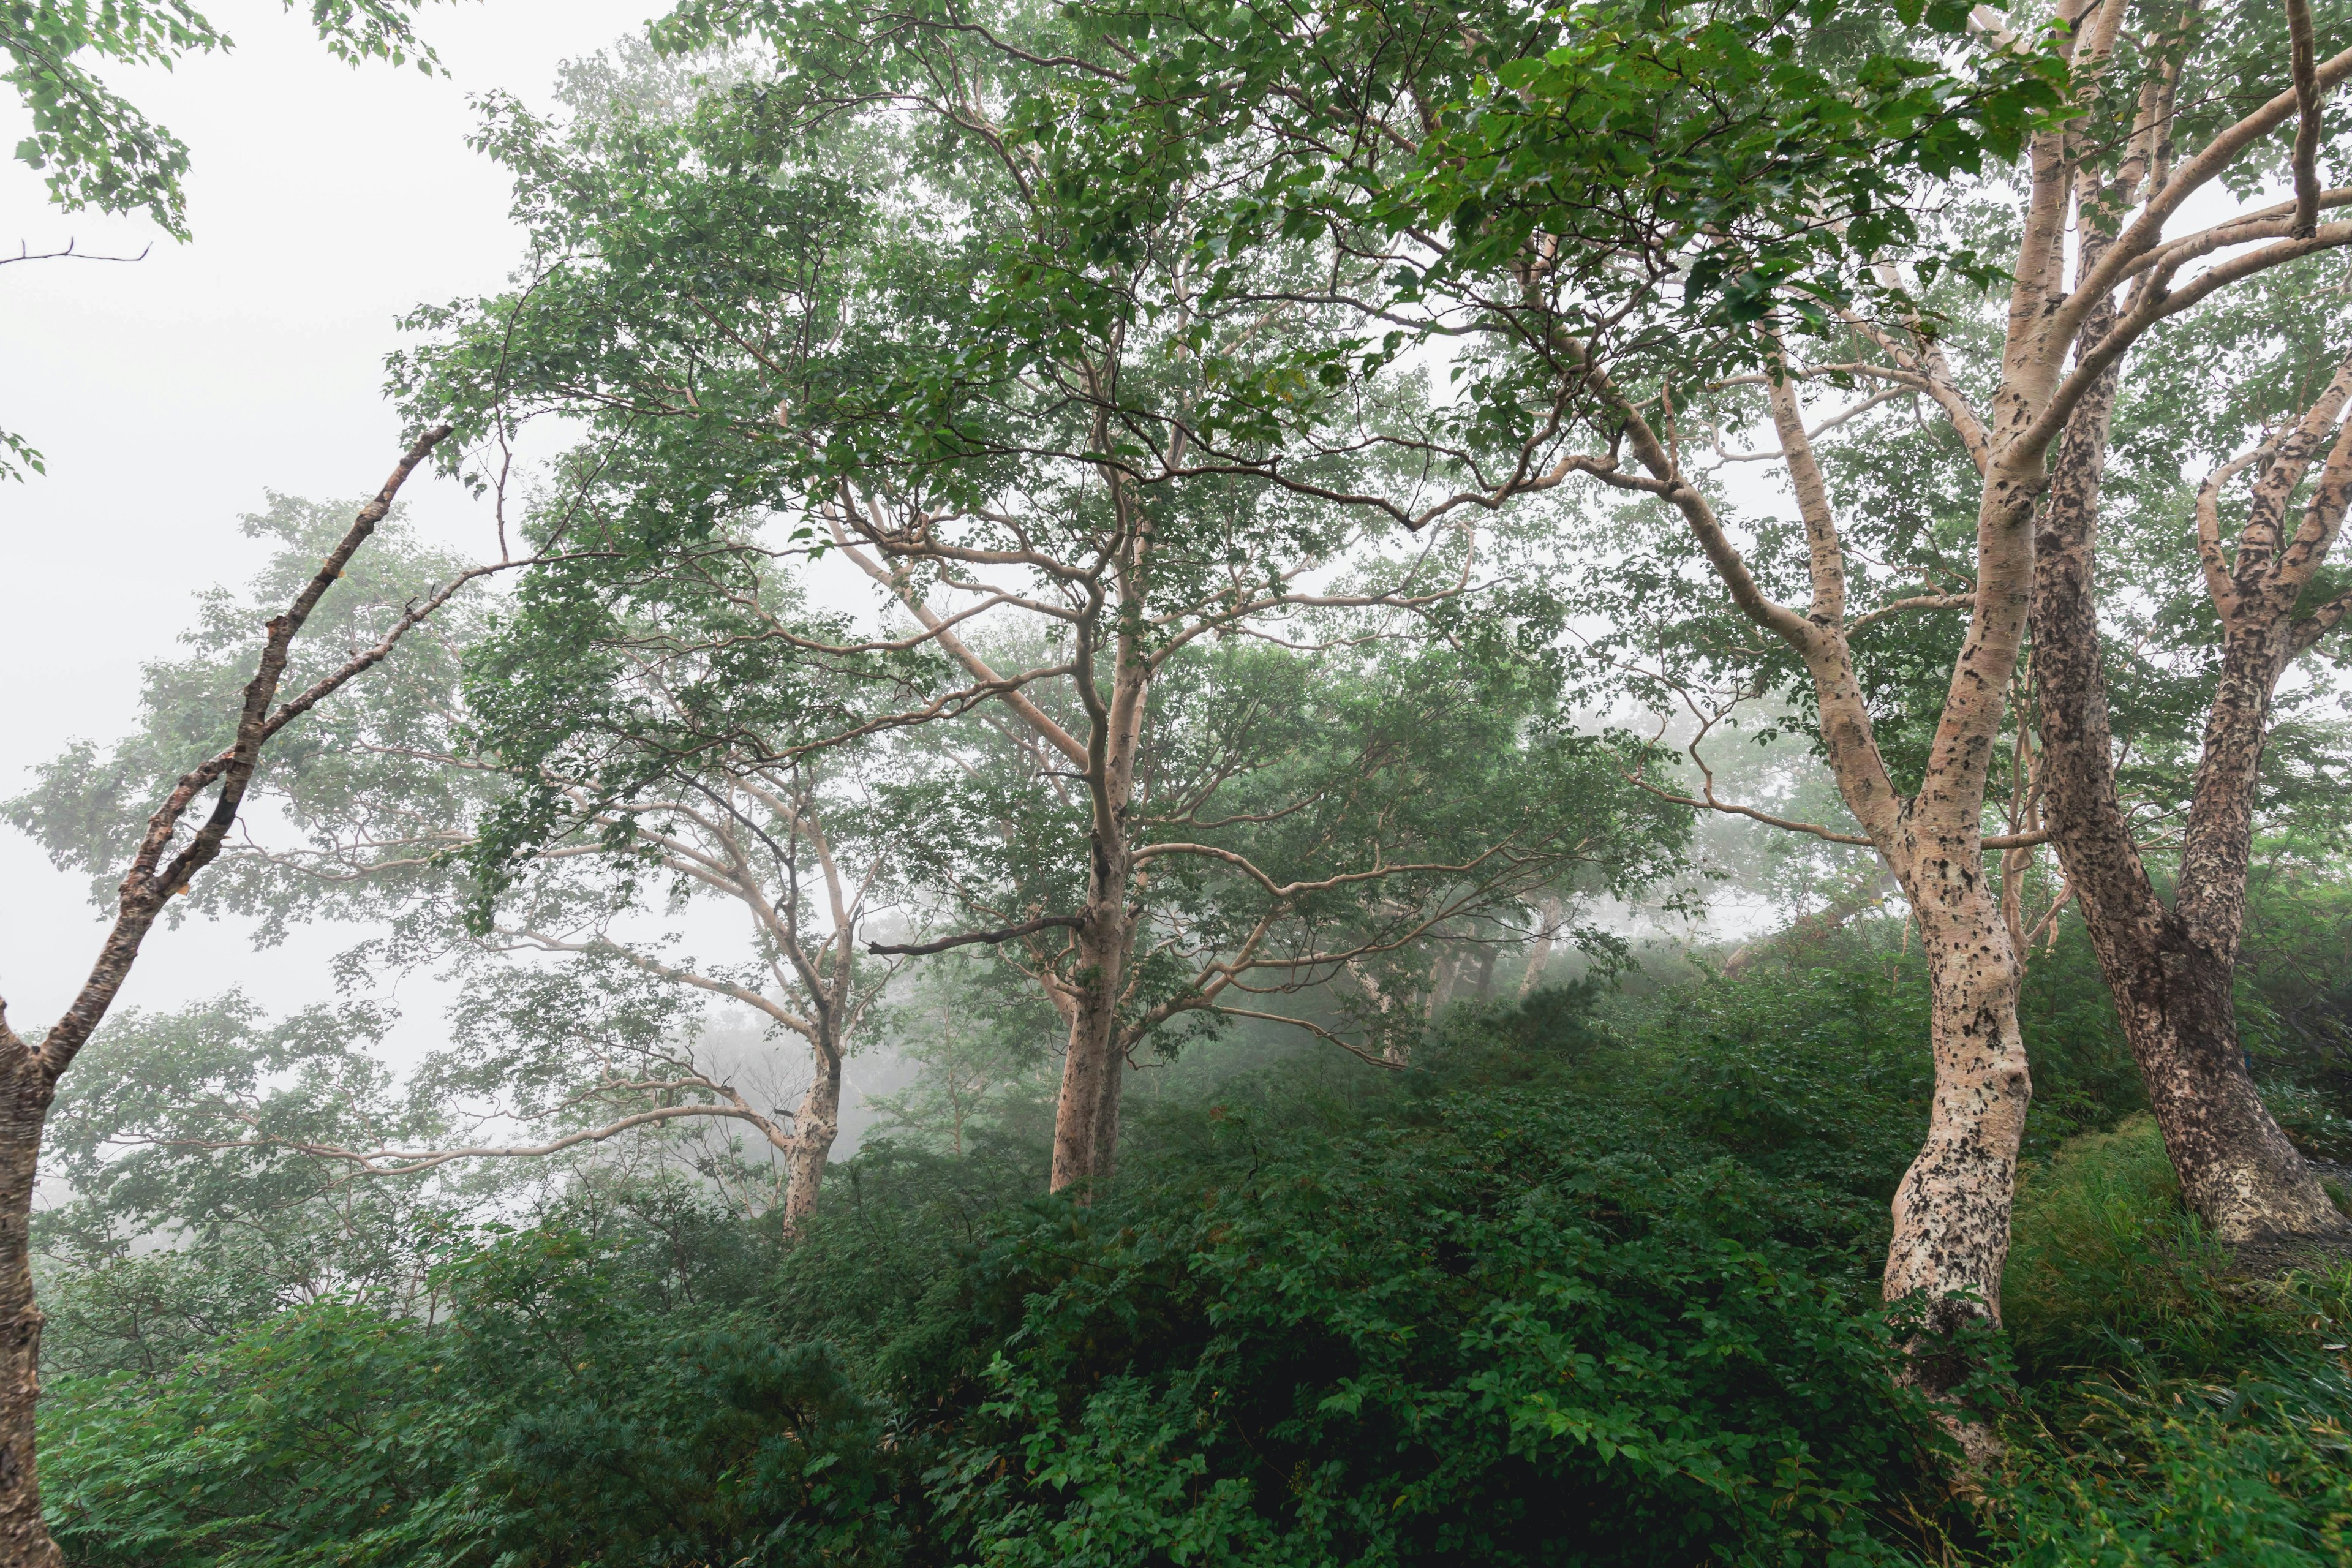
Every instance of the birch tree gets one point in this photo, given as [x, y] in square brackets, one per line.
[2121, 170]
[2261, 564]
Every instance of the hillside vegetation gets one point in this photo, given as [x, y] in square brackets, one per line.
[1594, 1283]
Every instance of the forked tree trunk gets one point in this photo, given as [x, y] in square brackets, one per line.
[2172, 968]
[1951, 1210]
[25, 1090]
[1086, 1118]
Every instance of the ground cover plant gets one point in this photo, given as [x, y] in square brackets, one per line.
[1593, 1285]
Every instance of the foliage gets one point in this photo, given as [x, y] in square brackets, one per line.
[2106, 1268]
[1518, 1332]
[2251, 1471]
[95, 147]
[1613, 1245]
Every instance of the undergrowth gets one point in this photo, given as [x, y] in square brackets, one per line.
[1593, 1284]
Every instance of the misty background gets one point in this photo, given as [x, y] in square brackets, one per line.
[170, 394]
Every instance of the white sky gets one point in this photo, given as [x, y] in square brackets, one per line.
[168, 395]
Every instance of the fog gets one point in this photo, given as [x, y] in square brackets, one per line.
[168, 394]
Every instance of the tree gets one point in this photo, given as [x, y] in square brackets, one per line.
[93, 146]
[2272, 596]
[1562, 195]
[178, 845]
[507, 794]
[173, 1230]
[791, 305]
[1595, 210]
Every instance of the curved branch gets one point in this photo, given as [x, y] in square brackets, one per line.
[1904, 607]
[413, 1162]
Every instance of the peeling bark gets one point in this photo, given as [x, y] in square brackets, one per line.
[814, 1128]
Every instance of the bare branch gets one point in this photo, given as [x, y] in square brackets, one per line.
[144, 888]
[411, 1162]
[25, 252]
[1906, 607]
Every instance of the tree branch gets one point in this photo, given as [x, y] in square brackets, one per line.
[144, 888]
[2302, 67]
[1026, 928]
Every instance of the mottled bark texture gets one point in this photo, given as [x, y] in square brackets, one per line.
[2172, 965]
[168, 854]
[1951, 1212]
[25, 1090]
[815, 1127]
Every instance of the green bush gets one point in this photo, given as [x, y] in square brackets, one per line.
[2310, 1121]
[558, 1417]
[1515, 1335]
[1594, 1284]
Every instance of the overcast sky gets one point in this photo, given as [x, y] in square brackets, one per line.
[168, 395]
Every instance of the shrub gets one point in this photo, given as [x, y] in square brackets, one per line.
[2309, 1121]
[2107, 1268]
[1516, 1335]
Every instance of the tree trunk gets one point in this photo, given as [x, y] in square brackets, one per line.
[1441, 984]
[815, 1127]
[25, 1090]
[1086, 1116]
[2170, 970]
[1951, 1210]
[1539, 955]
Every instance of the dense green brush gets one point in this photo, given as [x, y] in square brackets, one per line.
[1595, 1283]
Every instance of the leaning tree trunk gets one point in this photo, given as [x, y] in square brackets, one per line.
[2171, 969]
[166, 861]
[25, 1090]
